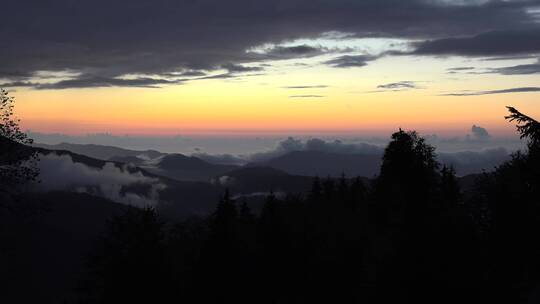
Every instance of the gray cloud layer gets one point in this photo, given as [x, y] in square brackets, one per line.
[490, 92]
[398, 86]
[350, 61]
[493, 43]
[522, 69]
[95, 82]
[103, 40]
[289, 52]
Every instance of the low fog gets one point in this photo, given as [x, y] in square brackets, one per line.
[474, 152]
[464, 162]
[61, 173]
[228, 148]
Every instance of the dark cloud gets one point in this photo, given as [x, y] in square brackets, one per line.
[237, 68]
[306, 96]
[459, 70]
[493, 43]
[16, 84]
[234, 71]
[398, 86]
[228, 75]
[220, 76]
[95, 82]
[306, 87]
[522, 69]
[109, 39]
[503, 91]
[350, 61]
[191, 73]
[297, 51]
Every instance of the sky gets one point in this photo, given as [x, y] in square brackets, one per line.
[270, 68]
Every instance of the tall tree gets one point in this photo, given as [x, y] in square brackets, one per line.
[223, 228]
[405, 192]
[17, 160]
[408, 176]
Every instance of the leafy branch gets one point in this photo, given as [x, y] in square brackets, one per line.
[526, 126]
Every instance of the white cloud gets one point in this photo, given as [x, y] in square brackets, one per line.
[61, 173]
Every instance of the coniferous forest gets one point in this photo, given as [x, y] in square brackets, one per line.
[409, 235]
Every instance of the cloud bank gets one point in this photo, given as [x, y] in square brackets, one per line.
[60, 172]
[350, 61]
[522, 69]
[491, 92]
[492, 43]
[99, 43]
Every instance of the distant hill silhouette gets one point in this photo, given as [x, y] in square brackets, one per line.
[100, 151]
[313, 163]
[307, 163]
[179, 198]
[94, 162]
[188, 168]
[128, 160]
[175, 166]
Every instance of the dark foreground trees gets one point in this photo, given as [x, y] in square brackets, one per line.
[17, 168]
[511, 197]
[130, 264]
[17, 160]
[409, 236]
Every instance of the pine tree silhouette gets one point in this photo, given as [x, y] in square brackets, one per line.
[450, 191]
[130, 264]
[526, 126]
